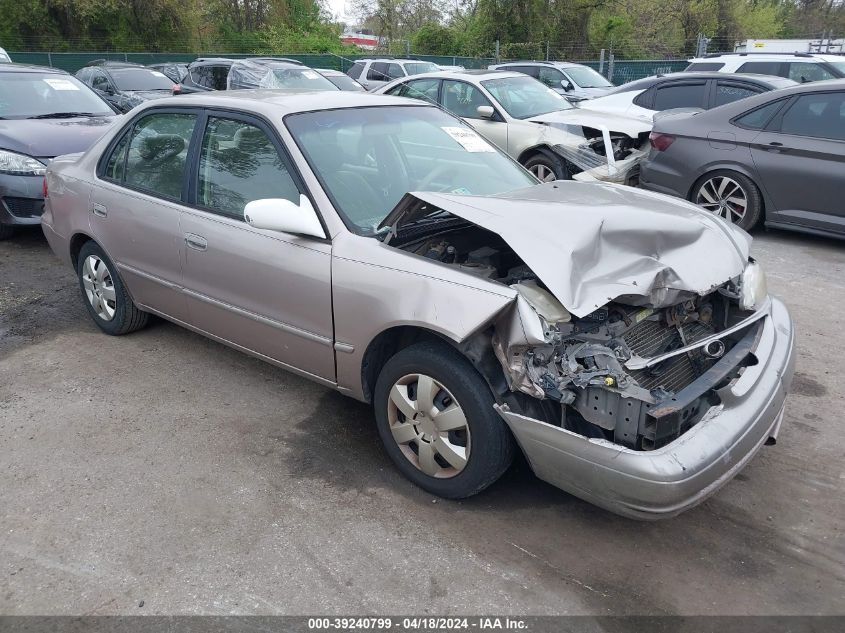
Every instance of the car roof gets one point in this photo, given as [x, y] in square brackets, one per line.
[647, 82]
[29, 68]
[394, 60]
[212, 60]
[277, 102]
[542, 63]
[763, 56]
[472, 73]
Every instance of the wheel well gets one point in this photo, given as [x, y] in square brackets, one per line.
[533, 151]
[386, 345]
[76, 243]
[477, 349]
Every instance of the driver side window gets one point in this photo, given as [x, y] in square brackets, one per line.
[238, 164]
[463, 99]
[551, 77]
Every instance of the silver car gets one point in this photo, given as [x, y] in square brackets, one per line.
[623, 340]
[543, 131]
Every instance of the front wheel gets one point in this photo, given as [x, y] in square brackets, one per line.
[547, 168]
[435, 417]
[105, 296]
[731, 196]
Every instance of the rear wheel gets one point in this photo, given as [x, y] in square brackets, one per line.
[435, 416]
[106, 298]
[547, 168]
[731, 196]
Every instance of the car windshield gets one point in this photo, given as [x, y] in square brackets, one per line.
[523, 97]
[296, 79]
[26, 95]
[140, 79]
[586, 77]
[418, 68]
[368, 158]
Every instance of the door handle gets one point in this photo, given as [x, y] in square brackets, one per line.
[775, 146]
[197, 242]
[99, 210]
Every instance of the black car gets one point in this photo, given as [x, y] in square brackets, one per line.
[175, 71]
[204, 74]
[44, 112]
[125, 85]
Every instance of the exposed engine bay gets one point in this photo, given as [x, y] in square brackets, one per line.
[625, 373]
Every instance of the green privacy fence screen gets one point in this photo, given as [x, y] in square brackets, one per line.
[623, 70]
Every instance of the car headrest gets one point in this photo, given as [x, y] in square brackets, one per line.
[161, 147]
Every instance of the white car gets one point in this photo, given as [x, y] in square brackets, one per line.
[534, 124]
[800, 67]
[4, 57]
[698, 90]
[374, 73]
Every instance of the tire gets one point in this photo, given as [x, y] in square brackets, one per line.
[738, 190]
[6, 231]
[547, 167]
[488, 447]
[104, 294]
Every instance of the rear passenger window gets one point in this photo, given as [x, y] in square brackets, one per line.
[683, 96]
[728, 93]
[378, 72]
[158, 148]
[355, 71]
[239, 164]
[116, 166]
[762, 68]
[424, 89]
[394, 71]
[759, 118]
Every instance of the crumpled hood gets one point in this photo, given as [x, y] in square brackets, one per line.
[591, 243]
[631, 126]
[46, 138]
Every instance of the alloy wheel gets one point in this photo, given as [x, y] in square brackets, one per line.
[725, 197]
[428, 425]
[99, 287]
[543, 172]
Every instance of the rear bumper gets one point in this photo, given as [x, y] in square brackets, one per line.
[667, 481]
[21, 201]
[663, 178]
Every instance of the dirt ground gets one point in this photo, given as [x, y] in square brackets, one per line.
[165, 468]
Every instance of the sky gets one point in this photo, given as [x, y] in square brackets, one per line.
[337, 7]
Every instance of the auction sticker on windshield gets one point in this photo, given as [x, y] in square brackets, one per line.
[468, 139]
[61, 84]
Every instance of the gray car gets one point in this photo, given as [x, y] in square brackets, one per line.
[44, 112]
[381, 247]
[776, 157]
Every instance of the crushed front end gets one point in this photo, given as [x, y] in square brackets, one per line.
[657, 407]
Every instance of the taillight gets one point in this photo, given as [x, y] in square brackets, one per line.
[660, 142]
[44, 188]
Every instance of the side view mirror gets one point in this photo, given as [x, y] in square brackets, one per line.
[485, 112]
[278, 214]
[566, 85]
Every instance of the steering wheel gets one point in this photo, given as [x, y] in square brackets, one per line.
[440, 170]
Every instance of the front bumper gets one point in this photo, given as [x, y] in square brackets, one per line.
[21, 199]
[665, 482]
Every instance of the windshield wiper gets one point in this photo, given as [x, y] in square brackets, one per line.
[63, 115]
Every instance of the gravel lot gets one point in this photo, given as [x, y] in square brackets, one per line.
[165, 468]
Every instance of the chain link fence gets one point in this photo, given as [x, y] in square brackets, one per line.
[618, 71]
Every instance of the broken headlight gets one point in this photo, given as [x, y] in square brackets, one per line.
[753, 289]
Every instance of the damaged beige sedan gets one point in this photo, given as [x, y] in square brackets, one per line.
[624, 341]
